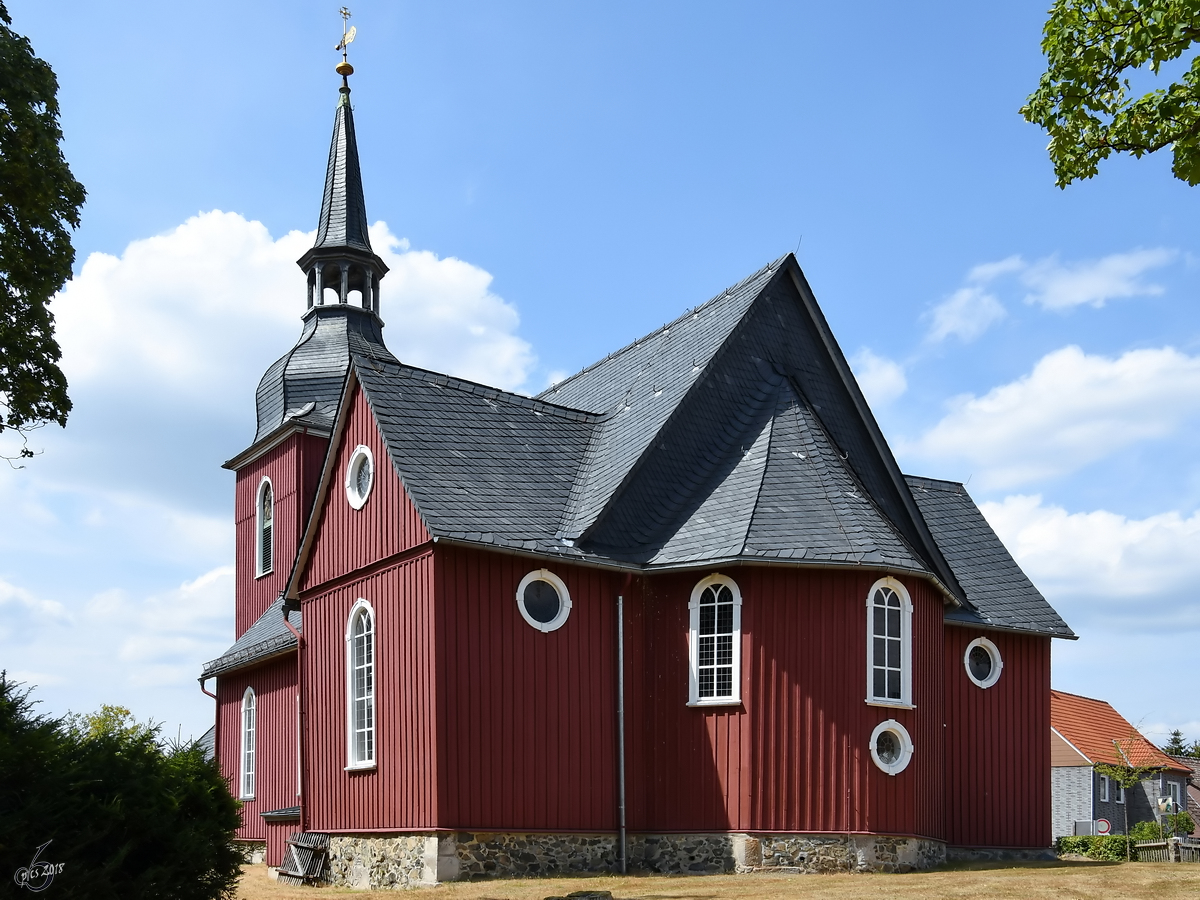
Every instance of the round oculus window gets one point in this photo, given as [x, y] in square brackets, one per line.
[891, 747]
[360, 476]
[983, 662]
[543, 600]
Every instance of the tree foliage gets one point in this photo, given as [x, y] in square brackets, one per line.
[39, 199]
[126, 815]
[1084, 98]
[1177, 746]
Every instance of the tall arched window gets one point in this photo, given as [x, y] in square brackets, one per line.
[265, 522]
[889, 644]
[360, 686]
[249, 739]
[715, 642]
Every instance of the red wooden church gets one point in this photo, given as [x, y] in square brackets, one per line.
[681, 612]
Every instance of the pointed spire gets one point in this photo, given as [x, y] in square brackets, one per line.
[343, 209]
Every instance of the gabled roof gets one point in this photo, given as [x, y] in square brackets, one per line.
[1102, 734]
[735, 433]
[269, 636]
[999, 594]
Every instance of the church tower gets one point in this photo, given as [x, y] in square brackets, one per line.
[298, 396]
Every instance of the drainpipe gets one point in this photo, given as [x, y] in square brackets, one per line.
[621, 723]
[206, 690]
[289, 606]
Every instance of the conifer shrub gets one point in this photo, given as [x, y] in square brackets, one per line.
[127, 815]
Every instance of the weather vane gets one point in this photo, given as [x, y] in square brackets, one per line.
[345, 69]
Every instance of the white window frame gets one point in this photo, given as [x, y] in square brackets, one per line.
[564, 600]
[259, 569]
[353, 497]
[906, 747]
[1104, 789]
[248, 751]
[1176, 795]
[361, 608]
[1120, 793]
[997, 662]
[694, 698]
[906, 614]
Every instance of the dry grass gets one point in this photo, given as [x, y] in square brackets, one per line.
[1071, 880]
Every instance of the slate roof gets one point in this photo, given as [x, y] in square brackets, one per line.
[343, 209]
[1103, 735]
[999, 593]
[267, 637]
[304, 385]
[208, 742]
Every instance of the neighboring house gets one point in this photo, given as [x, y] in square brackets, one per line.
[1193, 789]
[1085, 733]
[435, 580]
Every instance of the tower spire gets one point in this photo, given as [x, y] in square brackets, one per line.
[342, 258]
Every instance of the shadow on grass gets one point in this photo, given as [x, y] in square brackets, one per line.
[995, 864]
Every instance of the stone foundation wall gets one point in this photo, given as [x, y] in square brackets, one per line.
[372, 861]
[1000, 854]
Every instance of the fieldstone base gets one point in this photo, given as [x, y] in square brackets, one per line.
[253, 852]
[1000, 854]
[372, 861]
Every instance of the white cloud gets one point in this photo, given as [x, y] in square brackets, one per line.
[881, 379]
[198, 312]
[966, 314]
[1141, 570]
[1056, 285]
[1070, 410]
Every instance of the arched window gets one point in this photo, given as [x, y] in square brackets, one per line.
[265, 527]
[360, 686]
[249, 738]
[715, 642]
[889, 644]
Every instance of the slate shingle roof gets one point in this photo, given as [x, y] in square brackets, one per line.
[736, 432]
[343, 209]
[998, 591]
[267, 637]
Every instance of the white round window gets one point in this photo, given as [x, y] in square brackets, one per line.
[543, 600]
[891, 747]
[983, 662]
[360, 476]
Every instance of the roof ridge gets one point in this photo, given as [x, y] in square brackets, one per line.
[769, 267]
[489, 392]
[926, 481]
[1082, 697]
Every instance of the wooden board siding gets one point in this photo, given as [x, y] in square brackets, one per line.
[400, 792]
[348, 539]
[794, 756]
[526, 720]
[294, 468]
[997, 751]
[274, 684]
[1063, 754]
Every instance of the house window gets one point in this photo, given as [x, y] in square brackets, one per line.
[715, 642]
[983, 663]
[1120, 793]
[891, 747]
[889, 644]
[544, 601]
[265, 528]
[1103, 788]
[360, 476]
[360, 686]
[249, 730]
[1173, 786]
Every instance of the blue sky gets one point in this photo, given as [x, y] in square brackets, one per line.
[552, 181]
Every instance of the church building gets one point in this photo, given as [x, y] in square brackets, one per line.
[681, 612]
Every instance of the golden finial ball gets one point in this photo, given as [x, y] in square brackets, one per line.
[344, 69]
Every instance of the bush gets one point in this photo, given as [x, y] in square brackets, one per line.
[128, 816]
[1146, 831]
[1103, 847]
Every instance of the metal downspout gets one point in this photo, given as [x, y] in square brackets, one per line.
[621, 724]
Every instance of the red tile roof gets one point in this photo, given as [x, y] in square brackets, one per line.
[1097, 730]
